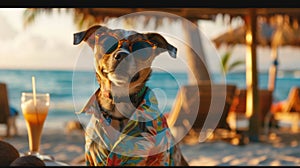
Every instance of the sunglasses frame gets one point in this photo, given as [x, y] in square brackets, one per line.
[120, 42]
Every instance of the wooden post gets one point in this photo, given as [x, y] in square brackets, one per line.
[195, 54]
[252, 104]
[273, 69]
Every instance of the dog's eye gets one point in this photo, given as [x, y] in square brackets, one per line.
[108, 44]
[142, 49]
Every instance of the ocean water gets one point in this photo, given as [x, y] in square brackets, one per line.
[70, 90]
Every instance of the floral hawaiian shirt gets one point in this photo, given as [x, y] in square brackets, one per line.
[145, 140]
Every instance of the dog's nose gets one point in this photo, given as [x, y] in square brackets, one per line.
[120, 55]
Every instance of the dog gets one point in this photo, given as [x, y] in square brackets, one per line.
[126, 126]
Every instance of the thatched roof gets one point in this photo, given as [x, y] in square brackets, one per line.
[272, 33]
[194, 13]
[92, 15]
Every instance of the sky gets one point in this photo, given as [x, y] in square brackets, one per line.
[48, 44]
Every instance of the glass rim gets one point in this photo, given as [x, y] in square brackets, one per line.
[37, 94]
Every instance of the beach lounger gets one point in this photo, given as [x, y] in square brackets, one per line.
[238, 107]
[290, 109]
[202, 106]
[4, 108]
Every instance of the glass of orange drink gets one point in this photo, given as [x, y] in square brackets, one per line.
[35, 110]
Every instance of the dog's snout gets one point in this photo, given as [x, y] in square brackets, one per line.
[120, 55]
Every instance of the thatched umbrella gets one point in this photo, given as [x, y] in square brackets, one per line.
[278, 32]
[237, 36]
[267, 33]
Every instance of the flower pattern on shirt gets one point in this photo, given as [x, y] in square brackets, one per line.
[145, 140]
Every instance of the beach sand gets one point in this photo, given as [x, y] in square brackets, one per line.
[280, 150]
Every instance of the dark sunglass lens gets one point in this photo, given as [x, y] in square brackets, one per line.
[108, 43]
[140, 45]
[142, 49]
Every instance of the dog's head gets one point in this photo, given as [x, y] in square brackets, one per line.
[123, 57]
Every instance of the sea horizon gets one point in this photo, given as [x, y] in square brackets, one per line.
[69, 90]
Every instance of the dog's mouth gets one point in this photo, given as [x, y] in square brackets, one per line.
[133, 79]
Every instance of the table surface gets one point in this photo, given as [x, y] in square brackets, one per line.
[54, 163]
[48, 160]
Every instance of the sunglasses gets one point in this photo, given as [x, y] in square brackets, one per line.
[141, 48]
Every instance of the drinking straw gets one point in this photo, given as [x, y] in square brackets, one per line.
[33, 90]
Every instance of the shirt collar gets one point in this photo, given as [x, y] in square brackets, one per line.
[148, 107]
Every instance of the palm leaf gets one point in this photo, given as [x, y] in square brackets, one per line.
[235, 64]
[224, 60]
[226, 65]
[30, 14]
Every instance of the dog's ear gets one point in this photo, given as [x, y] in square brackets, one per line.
[162, 43]
[86, 36]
